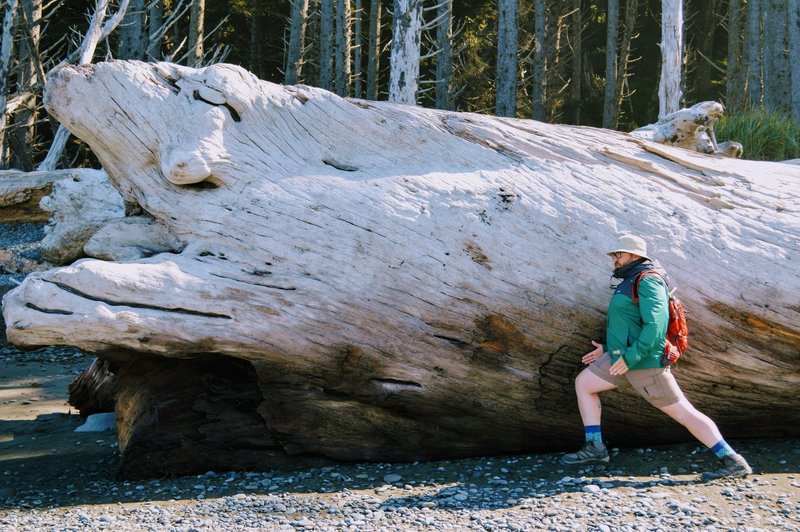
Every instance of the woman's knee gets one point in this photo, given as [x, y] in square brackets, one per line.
[588, 382]
[683, 412]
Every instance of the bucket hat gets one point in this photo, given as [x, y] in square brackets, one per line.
[631, 244]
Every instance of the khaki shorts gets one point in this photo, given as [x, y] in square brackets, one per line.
[656, 385]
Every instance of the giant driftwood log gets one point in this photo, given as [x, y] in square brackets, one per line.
[367, 281]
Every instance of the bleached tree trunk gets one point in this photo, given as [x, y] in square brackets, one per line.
[197, 31]
[405, 53]
[98, 30]
[343, 48]
[669, 86]
[507, 46]
[373, 49]
[612, 35]
[754, 54]
[297, 32]
[776, 60]
[576, 40]
[444, 55]
[425, 289]
[327, 16]
[794, 52]
[734, 86]
[538, 91]
[358, 39]
[6, 56]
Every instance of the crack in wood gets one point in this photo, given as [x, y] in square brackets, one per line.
[48, 311]
[397, 382]
[176, 310]
[231, 110]
[275, 286]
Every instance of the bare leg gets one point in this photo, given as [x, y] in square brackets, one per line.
[699, 424]
[588, 387]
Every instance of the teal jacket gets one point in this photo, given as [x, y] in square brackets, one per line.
[638, 331]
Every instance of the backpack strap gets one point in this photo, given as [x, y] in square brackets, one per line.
[646, 273]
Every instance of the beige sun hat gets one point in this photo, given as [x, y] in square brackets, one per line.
[631, 244]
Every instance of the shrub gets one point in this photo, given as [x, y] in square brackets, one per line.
[765, 136]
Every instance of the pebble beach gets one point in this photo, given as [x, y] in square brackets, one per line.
[53, 478]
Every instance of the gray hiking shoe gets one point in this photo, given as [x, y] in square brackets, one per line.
[592, 451]
[733, 465]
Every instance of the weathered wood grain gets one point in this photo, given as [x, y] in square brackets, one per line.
[404, 283]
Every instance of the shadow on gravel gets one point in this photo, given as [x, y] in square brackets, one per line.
[44, 463]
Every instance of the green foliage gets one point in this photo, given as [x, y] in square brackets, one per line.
[765, 136]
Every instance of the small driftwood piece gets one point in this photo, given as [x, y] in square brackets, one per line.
[20, 193]
[692, 129]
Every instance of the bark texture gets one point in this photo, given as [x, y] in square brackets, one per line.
[297, 34]
[507, 46]
[424, 290]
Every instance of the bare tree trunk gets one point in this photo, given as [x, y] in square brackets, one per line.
[343, 48]
[444, 57]
[358, 39]
[507, 46]
[576, 81]
[6, 56]
[156, 20]
[776, 60]
[196, 31]
[30, 76]
[538, 91]
[612, 35]
[794, 52]
[326, 44]
[297, 33]
[669, 87]
[754, 56]
[256, 55]
[703, 88]
[373, 51]
[631, 16]
[131, 33]
[556, 74]
[734, 87]
[404, 64]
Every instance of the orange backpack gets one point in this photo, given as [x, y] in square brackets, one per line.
[677, 330]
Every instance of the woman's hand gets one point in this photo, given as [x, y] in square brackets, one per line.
[620, 367]
[590, 357]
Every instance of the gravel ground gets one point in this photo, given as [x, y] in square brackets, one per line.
[52, 478]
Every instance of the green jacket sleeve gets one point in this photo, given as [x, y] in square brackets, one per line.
[655, 317]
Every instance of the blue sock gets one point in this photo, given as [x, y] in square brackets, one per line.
[721, 449]
[593, 433]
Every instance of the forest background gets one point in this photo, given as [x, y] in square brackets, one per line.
[573, 61]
